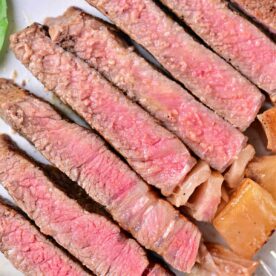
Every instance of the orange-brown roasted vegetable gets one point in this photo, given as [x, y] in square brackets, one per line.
[268, 121]
[248, 219]
[263, 171]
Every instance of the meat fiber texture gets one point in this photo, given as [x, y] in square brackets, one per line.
[29, 251]
[96, 42]
[84, 157]
[263, 11]
[233, 37]
[152, 151]
[205, 74]
[94, 240]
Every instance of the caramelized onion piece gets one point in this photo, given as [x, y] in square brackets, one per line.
[204, 203]
[235, 174]
[199, 174]
[216, 260]
[263, 171]
[268, 121]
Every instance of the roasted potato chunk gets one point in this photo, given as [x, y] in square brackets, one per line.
[248, 219]
[263, 171]
[268, 121]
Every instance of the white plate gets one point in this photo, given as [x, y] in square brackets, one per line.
[21, 14]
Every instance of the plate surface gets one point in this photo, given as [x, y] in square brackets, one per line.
[21, 14]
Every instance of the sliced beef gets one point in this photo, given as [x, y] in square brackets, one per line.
[84, 157]
[233, 37]
[91, 238]
[151, 150]
[204, 73]
[263, 11]
[96, 42]
[29, 251]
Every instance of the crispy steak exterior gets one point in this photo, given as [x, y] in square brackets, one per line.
[205, 74]
[233, 37]
[263, 11]
[91, 238]
[84, 157]
[96, 42]
[152, 151]
[29, 251]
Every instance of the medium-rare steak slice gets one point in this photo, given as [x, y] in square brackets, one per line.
[155, 153]
[91, 238]
[263, 11]
[96, 42]
[29, 251]
[233, 37]
[205, 74]
[84, 157]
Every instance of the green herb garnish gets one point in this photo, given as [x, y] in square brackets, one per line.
[3, 22]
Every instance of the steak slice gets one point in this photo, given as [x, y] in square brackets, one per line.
[96, 42]
[28, 250]
[91, 238]
[233, 37]
[263, 11]
[84, 157]
[204, 73]
[155, 153]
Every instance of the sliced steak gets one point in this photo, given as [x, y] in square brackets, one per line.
[204, 73]
[96, 42]
[263, 11]
[155, 153]
[29, 251]
[84, 157]
[233, 37]
[91, 238]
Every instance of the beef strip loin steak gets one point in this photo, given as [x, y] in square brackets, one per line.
[28, 250]
[84, 157]
[205, 74]
[91, 238]
[152, 151]
[263, 11]
[209, 136]
[233, 37]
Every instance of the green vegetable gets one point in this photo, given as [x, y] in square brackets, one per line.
[3, 22]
